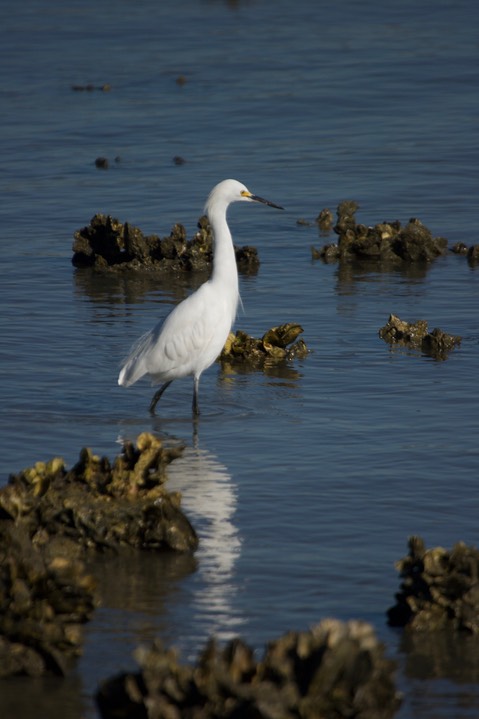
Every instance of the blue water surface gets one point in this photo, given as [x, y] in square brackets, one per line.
[304, 482]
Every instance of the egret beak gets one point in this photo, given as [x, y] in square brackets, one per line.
[256, 198]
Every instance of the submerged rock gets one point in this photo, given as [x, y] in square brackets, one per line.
[335, 669]
[98, 506]
[44, 600]
[107, 244]
[386, 242]
[415, 335]
[272, 347]
[439, 589]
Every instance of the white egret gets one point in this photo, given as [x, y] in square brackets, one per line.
[192, 336]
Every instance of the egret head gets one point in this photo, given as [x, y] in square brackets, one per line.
[228, 191]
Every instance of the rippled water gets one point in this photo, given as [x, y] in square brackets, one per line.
[304, 482]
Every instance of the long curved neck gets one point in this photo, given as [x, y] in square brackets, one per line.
[225, 271]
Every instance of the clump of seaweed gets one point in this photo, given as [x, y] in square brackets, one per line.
[107, 244]
[385, 243]
[439, 589]
[44, 600]
[415, 335]
[277, 344]
[335, 669]
[98, 506]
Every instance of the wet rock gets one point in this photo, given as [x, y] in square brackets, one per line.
[102, 163]
[385, 242]
[277, 344]
[325, 220]
[91, 88]
[44, 600]
[473, 254]
[107, 244]
[97, 506]
[415, 335]
[459, 248]
[335, 669]
[439, 589]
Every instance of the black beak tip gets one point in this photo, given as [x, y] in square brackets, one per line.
[266, 202]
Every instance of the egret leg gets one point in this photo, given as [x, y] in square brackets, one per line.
[196, 407]
[157, 395]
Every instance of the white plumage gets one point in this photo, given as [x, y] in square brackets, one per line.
[192, 336]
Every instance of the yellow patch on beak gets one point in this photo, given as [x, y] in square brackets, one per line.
[245, 193]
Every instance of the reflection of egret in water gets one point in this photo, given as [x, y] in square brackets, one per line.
[209, 500]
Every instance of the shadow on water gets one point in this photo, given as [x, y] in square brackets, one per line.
[440, 674]
[348, 274]
[441, 655]
[130, 288]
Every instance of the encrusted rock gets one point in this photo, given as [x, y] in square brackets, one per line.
[386, 242]
[107, 244]
[473, 254]
[335, 670]
[277, 344]
[415, 335]
[439, 589]
[96, 505]
[325, 220]
[44, 600]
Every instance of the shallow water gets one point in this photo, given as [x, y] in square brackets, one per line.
[304, 482]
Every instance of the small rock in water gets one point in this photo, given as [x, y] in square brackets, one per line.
[415, 335]
[277, 344]
[439, 589]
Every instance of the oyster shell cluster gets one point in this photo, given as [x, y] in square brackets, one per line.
[44, 600]
[415, 335]
[107, 244]
[439, 589]
[335, 669]
[51, 519]
[277, 344]
[384, 242]
[97, 505]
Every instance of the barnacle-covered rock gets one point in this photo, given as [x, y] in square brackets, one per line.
[335, 669]
[385, 243]
[277, 344]
[44, 600]
[107, 244]
[439, 588]
[96, 505]
[415, 335]
[325, 220]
